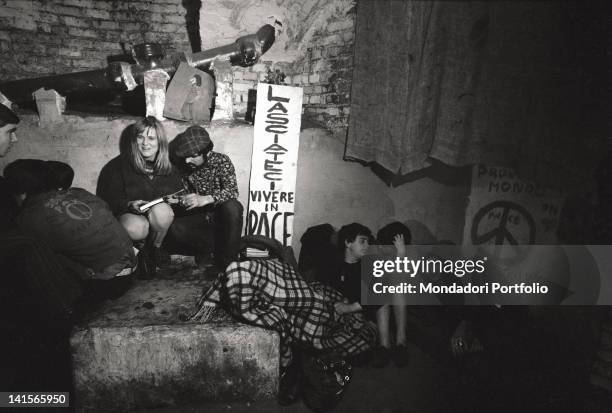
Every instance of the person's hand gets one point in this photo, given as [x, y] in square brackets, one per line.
[191, 201]
[175, 198]
[464, 341]
[400, 246]
[342, 307]
[134, 206]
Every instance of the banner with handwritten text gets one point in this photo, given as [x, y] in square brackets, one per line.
[274, 162]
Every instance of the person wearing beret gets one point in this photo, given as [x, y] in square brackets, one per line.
[209, 178]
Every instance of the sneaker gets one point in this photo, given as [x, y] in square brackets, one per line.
[380, 357]
[400, 356]
[161, 258]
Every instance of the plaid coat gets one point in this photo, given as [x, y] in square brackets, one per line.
[271, 294]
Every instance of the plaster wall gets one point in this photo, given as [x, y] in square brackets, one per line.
[329, 189]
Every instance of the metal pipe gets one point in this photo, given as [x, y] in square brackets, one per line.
[122, 76]
[19, 91]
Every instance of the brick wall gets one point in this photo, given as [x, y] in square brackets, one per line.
[40, 37]
[324, 70]
[44, 37]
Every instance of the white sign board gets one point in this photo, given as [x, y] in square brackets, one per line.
[274, 162]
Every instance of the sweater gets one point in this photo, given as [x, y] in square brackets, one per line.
[77, 225]
[119, 184]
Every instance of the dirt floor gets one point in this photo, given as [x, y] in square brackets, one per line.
[428, 384]
[422, 386]
[536, 364]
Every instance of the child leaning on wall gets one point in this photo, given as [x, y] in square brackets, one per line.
[398, 235]
[353, 242]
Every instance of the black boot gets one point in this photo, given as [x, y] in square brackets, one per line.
[146, 264]
[289, 384]
[160, 257]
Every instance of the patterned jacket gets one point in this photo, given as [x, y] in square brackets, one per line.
[217, 178]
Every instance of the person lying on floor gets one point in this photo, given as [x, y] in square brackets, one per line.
[270, 293]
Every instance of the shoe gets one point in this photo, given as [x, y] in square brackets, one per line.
[400, 356]
[381, 357]
[204, 261]
[212, 273]
[289, 385]
[146, 266]
[160, 257]
[361, 359]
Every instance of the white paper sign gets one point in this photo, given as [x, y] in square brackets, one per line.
[274, 163]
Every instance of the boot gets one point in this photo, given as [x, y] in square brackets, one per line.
[146, 265]
[160, 257]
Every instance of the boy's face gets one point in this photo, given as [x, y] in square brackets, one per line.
[196, 161]
[358, 248]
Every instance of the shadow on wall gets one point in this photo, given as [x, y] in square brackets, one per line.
[438, 171]
[420, 233]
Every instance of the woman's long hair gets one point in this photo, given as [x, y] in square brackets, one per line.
[129, 145]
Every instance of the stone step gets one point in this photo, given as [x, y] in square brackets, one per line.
[136, 352]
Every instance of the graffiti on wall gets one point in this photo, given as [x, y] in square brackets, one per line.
[505, 210]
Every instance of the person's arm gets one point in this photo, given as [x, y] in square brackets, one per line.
[111, 188]
[400, 246]
[229, 186]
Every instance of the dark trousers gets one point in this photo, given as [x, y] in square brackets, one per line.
[217, 229]
[35, 283]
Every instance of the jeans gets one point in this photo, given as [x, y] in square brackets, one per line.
[215, 229]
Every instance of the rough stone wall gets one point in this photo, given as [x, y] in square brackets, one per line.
[328, 189]
[314, 50]
[42, 37]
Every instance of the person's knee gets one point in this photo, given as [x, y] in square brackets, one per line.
[161, 216]
[231, 209]
[136, 226]
[383, 313]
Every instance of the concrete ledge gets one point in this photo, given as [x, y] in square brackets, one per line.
[135, 352]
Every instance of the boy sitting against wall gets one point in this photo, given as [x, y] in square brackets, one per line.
[398, 235]
[353, 242]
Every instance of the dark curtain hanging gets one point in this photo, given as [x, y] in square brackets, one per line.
[463, 83]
